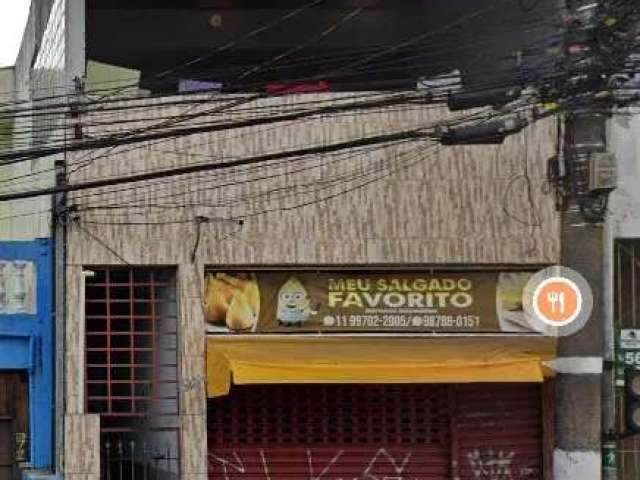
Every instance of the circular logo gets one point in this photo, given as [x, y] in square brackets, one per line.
[557, 301]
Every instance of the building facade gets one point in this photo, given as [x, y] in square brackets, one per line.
[145, 260]
[345, 314]
[26, 320]
[28, 363]
[26, 358]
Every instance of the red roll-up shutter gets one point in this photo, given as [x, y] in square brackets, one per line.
[376, 432]
[497, 432]
[322, 432]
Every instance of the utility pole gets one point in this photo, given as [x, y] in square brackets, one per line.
[579, 382]
[59, 233]
[60, 220]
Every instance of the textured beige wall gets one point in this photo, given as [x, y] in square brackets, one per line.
[82, 447]
[443, 206]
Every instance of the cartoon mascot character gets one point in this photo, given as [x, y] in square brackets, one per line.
[294, 303]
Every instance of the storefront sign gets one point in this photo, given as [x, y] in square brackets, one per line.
[288, 301]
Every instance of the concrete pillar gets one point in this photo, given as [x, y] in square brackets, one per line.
[193, 399]
[577, 452]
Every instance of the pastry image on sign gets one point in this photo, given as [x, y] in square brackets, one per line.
[294, 303]
[232, 301]
[509, 305]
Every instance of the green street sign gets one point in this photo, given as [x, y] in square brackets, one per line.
[609, 455]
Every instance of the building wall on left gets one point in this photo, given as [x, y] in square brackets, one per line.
[19, 220]
[42, 76]
[26, 333]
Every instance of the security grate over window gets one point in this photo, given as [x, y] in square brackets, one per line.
[131, 354]
[131, 369]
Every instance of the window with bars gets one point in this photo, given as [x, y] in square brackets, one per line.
[627, 283]
[131, 363]
[131, 343]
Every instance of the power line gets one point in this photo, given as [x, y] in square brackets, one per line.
[116, 89]
[415, 133]
[480, 115]
[211, 176]
[245, 216]
[129, 138]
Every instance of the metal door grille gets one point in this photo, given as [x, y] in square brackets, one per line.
[498, 432]
[368, 432]
[345, 431]
[131, 369]
[145, 455]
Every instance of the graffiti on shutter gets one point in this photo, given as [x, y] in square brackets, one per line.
[376, 432]
[498, 432]
[326, 463]
[328, 432]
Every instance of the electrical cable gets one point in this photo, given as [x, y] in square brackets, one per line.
[21, 156]
[460, 119]
[244, 217]
[266, 192]
[101, 242]
[134, 203]
[332, 181]
[415, 133]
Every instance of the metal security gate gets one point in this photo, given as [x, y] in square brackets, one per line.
[497, 432]
[320, 432]
[131, 370]
[376, 432]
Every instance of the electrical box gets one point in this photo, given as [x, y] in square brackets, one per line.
[603, 175]
[588, 132]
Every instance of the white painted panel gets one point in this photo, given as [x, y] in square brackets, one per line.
[576, 465]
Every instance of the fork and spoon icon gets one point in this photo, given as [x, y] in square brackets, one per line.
[556, 299]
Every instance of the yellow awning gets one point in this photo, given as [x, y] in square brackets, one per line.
[247, 360]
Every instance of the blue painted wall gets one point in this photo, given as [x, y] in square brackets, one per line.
[26, 343]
